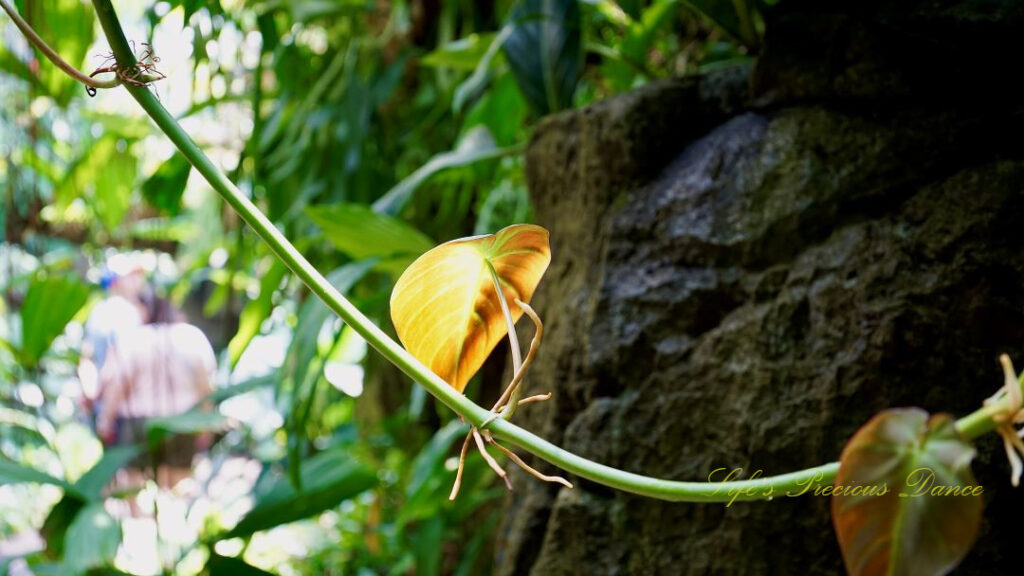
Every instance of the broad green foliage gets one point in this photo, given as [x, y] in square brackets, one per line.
[50, 303]
[359, 232]
[331, 477]
[11, 473]
[545, 51]
[165, 187]
[91, 540]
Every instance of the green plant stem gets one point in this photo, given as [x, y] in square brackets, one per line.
[51, 54]
[792, 483]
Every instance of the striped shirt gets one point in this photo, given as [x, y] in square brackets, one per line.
[155, 370]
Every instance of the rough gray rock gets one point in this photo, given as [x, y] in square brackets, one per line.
[734, 286]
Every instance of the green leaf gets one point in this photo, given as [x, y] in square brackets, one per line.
[428, 546]
[222, 394]
[68, 27]
[218, 565]
[35, 427]
[331, 478]
[192, 422]
[545, 52]
[14, 473]
[92, 483]
[308, 10]
[640, 34]
[896, 523]
[477, 145]
[55, 527]
[114, 184]
[302, 355]
[103, 176]
[360, 233]
[430, 461]
[462, 54]
[92, 539]
[501, 109]
[733, 17]
[473, 85]
[256, 310]
[164, 189]
[50, 303]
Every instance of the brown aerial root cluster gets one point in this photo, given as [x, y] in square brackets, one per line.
[502, 408]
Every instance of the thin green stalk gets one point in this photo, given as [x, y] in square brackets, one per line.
[793, 483]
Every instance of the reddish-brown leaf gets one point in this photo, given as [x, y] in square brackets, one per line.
[918, 508]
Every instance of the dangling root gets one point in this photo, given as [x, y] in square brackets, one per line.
[505, 406]
[490, 459]
[532, 399]
[462, 466]
[517, 378]
[529, 469]
[500, 408]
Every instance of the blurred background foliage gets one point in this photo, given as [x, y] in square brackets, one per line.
[368, 131]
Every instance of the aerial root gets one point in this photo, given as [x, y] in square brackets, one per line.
[529, 469]
[490, 459]
[462, 466]
[504, 407]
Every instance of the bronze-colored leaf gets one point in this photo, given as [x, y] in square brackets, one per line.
[444, 306]
[905, 501]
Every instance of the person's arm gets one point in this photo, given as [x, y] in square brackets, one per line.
[204, 369]
[204, 363]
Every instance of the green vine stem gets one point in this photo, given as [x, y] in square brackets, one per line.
[52, 55]
[972, 426]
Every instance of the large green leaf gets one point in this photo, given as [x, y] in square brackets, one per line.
[103, 176]
[477, 145]
[462, 54]
[114, 184]
[68, 27]
[218, 565]
[50, 303]
[905, 501]
[256, 310]
[331, 477]
[545, 52]
[224, 393]
[501, 109]
[300, 367]
[163, 190]
[473, 85]
[92, 483]
[360, 233]
[14, 473]
[191, 422]
[92, 539]
[55, 528]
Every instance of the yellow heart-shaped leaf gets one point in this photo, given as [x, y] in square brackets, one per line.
[445, 307]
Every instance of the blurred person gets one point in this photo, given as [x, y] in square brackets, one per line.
[121, 310]
[163, 368]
